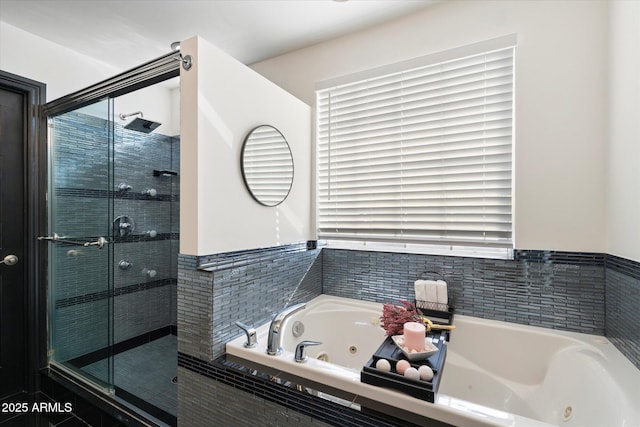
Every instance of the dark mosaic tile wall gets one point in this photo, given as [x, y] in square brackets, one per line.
[550, 289]
[85, 203]
[242, 396]
[622, 305]
[229, 406]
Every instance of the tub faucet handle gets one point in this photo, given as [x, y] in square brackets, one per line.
[252, 336]
[301, 355]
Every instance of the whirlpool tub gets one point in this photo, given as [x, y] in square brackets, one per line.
[496, 373]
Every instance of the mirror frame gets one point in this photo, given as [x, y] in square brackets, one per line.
[242, 166]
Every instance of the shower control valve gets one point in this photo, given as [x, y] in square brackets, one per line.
[123, 225]
[151, 192]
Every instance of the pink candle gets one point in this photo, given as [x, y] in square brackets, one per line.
[414, 335]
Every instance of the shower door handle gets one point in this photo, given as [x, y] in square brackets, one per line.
[99, 243]
[55, 238]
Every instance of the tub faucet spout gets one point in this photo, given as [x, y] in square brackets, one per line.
[274, 340]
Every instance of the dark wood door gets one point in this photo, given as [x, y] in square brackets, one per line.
[13, 112]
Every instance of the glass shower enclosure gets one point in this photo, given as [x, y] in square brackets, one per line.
[80, 280]
[113, 239]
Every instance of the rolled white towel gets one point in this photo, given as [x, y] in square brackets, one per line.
[441, 290]
[421, 290]
[432, 293]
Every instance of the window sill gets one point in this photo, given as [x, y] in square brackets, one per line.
[423, 249]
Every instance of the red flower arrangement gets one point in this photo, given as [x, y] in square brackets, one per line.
[395, 316]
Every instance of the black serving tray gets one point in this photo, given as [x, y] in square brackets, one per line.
[425, 390]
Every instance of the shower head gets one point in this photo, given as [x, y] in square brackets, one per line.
[142, 125]
[139, 124]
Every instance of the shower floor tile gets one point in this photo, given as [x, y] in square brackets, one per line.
[146, 372]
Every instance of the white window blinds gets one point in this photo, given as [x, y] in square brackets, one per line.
[423, 155]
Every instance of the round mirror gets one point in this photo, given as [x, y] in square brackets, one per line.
[267, 165]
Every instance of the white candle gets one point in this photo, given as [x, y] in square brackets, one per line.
[414, 335]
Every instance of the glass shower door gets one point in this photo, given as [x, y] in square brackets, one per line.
[80, 232]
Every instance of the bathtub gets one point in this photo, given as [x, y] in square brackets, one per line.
[496, 373]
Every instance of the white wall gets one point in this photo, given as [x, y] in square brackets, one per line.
[221, 100]
[65, 71]
[560, 99]
[561, 190]
[624, 130]
[62, 69]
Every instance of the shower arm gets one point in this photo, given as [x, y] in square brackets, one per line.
[124, 116]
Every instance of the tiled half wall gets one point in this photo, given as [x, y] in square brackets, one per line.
[247, 286]
[582, 292]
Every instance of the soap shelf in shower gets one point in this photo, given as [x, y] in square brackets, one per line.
[164, 173]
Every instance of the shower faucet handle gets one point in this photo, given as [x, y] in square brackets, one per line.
[252, 335]
[124, 187]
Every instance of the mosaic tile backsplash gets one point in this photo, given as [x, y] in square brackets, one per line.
[86, 202]
[565, 291]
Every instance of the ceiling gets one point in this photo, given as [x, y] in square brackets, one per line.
[126, 33]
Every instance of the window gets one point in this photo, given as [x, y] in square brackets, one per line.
[420, 155]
